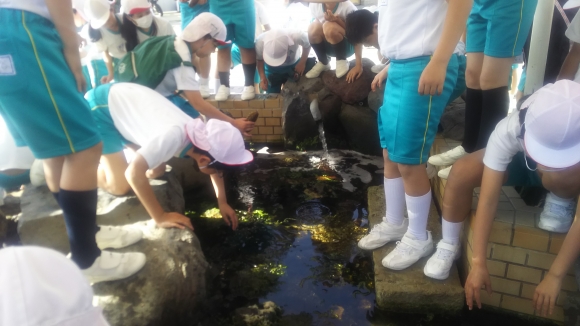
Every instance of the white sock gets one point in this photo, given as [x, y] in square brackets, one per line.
[395, 201]
[451, 231]
[204, 81]
[418, 208]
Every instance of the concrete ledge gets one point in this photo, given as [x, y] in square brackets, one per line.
[410, 290]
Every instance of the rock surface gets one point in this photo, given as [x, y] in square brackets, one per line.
[453, 120]
[376, 99]
[304, 85]
[298, 123]
[172, 283]
[410, 290]
[361, 128]
[351, 93]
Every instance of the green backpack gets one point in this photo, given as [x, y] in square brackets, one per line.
[148, 63]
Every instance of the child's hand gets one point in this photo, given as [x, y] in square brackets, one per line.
[300, 67]
[329, 16]
[107, 79]
[546, 294]
[433, 79]
[229, 216]
[354, 74]
[244, 126]
[264, 83]
[74, 62]
[478, 277]
[380, 79]
[174, 220]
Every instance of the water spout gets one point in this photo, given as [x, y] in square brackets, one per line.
[315, 111]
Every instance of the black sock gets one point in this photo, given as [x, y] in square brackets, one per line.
[56, 197]
[320, 50]
[80, 216]
[224, 78]
[249, 73]
[496, 104]
[340, 49]
[473, 105]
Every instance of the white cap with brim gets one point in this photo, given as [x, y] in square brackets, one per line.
[552, 125]
[276, 43]
[571, 4]
[131, 7]
[42, 287]
[220, 139]
[98, 12]
[204, 24]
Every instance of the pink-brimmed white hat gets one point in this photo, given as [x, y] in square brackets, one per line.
[131, 7]
[219, 138]
[552, 125]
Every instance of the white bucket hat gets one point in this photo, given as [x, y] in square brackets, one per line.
[571, 4]
[552, 125]
[206, 23]
[220, 139]
[98, 12]
[42, 287]
[276, 43]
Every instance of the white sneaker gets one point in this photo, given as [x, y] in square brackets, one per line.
[448, 157]
[112, 266]
[342, 68]
[317, 70]
[116, 237]
[222, 93]
[383, 233]
[378, 68]
[439, 265]
[408, 251]
[431, 171]
[444, 173]
[204, 91]
[557, 215]
[248, 93]
[37, 177]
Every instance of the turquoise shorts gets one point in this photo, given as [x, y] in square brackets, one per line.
[98, 99]
[499, 28]
[189, 13]
[277, 76]
[239, 16]
[330, 49]
[460, 86]
[408, 121]
[13, 182]
[520, 175]
[184, 105]
[38, 92]
[237, 60]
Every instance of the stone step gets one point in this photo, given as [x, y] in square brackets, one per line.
[410, 290]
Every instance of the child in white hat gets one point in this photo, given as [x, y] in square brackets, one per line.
[139, 24]
[538, 145]
[128, 113]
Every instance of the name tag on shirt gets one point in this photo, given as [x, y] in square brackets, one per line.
[7, 66]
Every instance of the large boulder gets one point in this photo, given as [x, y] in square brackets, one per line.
[303, 85]
[452, 121]
[361, 128]
[300, 129]
[171, 286]
[376, 99]
[330, 106]
[355, 92]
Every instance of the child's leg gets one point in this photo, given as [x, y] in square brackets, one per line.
[418, 198]
[316, 38]
[111, 174]
[334, 34]
[394, 192]
[249, 65]
[473, 101]
[224, 64]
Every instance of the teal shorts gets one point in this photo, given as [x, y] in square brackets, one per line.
[38, 92]
[237, 60]
[499, 28]
[189, 13]
[520, 175]
[239, 16]
[460, 86]
[330, 49]
[277, 76]
[98, 99]
[408, 121]
[13, 182]
[184, 105]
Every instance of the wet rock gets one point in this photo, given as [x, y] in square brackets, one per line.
[304, 85]
[376, 99]
[351, 93]
[256, 316]
[300, 129]
[361, 128]
[171, 285]
[453, 120]
[330, 106]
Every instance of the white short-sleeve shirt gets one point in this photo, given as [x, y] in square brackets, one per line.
[573, 33]
[261, 17]
[410, 29]
[504, 143]
[164, 28]
[181, 78]
[112, 42]
[149, 120]
[342, 10]
[300, 40]
[35, 6]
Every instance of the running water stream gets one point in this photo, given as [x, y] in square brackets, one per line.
[315, 111]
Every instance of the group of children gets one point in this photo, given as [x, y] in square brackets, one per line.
[153, 108]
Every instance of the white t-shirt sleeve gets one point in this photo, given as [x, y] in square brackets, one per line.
[503, 143]
[261, 14]
[161, 149]
[573, 31]
[316, 12]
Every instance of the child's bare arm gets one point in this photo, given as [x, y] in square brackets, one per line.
[433, 77]
[228, 214]
[571, 63]
[548, 290]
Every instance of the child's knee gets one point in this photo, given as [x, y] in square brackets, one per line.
[472, 78]
[333, 33]
[315, 32]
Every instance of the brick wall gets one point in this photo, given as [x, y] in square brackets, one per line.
[268, 126]
[518, 254]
